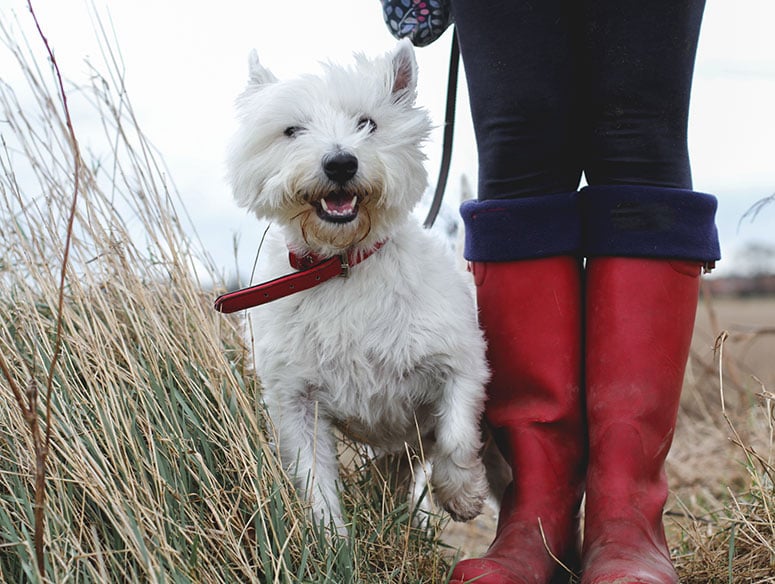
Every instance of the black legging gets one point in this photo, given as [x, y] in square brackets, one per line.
[561, 87]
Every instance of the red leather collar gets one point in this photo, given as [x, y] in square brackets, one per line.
[314, 270]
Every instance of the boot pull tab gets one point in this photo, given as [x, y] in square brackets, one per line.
[479, 270]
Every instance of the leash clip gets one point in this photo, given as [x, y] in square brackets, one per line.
[344, 264]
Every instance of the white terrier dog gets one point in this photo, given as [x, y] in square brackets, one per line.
[391, 354]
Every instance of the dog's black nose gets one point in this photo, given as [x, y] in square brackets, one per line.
[340, 167]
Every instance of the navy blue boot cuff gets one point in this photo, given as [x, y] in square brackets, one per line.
[651, 222]
[501, 230]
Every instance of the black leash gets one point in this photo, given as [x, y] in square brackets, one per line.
[449, 130]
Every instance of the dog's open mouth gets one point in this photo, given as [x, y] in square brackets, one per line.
[338, 207]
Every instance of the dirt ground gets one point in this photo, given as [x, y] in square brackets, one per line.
[703, 462]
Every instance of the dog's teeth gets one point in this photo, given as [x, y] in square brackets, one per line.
[354, 201]
[324, 205]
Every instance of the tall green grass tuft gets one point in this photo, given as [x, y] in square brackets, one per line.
[160, 467]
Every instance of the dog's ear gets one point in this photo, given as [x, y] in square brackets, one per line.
[404, 72]
[258, 74]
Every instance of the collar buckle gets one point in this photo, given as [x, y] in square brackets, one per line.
[344, 265]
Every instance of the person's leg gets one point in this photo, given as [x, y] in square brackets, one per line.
[523, 237]
[519, 68]
[530, 311]
[640, 315]
[646, 236]
[636, 65]
[639, 318]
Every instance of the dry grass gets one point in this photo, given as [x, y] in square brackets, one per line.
[160, 466]
[722, 467]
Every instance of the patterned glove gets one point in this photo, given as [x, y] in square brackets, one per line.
[422, 21]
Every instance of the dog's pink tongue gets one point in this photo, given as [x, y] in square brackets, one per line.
[337, 204]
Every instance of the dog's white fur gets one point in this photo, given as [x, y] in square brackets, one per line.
[393, 349]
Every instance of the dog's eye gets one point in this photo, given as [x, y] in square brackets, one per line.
[293, 131]
[366, 122]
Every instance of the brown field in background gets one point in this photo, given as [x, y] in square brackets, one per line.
[751, 324]
[704, 464]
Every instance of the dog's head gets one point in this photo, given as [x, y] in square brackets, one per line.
[333, 158]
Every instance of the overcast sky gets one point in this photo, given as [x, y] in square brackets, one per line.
[187, 60]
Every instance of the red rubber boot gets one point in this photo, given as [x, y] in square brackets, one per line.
[531, 314]
[640, 318]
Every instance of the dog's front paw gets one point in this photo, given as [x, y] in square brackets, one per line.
[460, 490]
[465, 507]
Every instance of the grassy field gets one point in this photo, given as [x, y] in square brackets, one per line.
[134, 445]
[133, 442]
